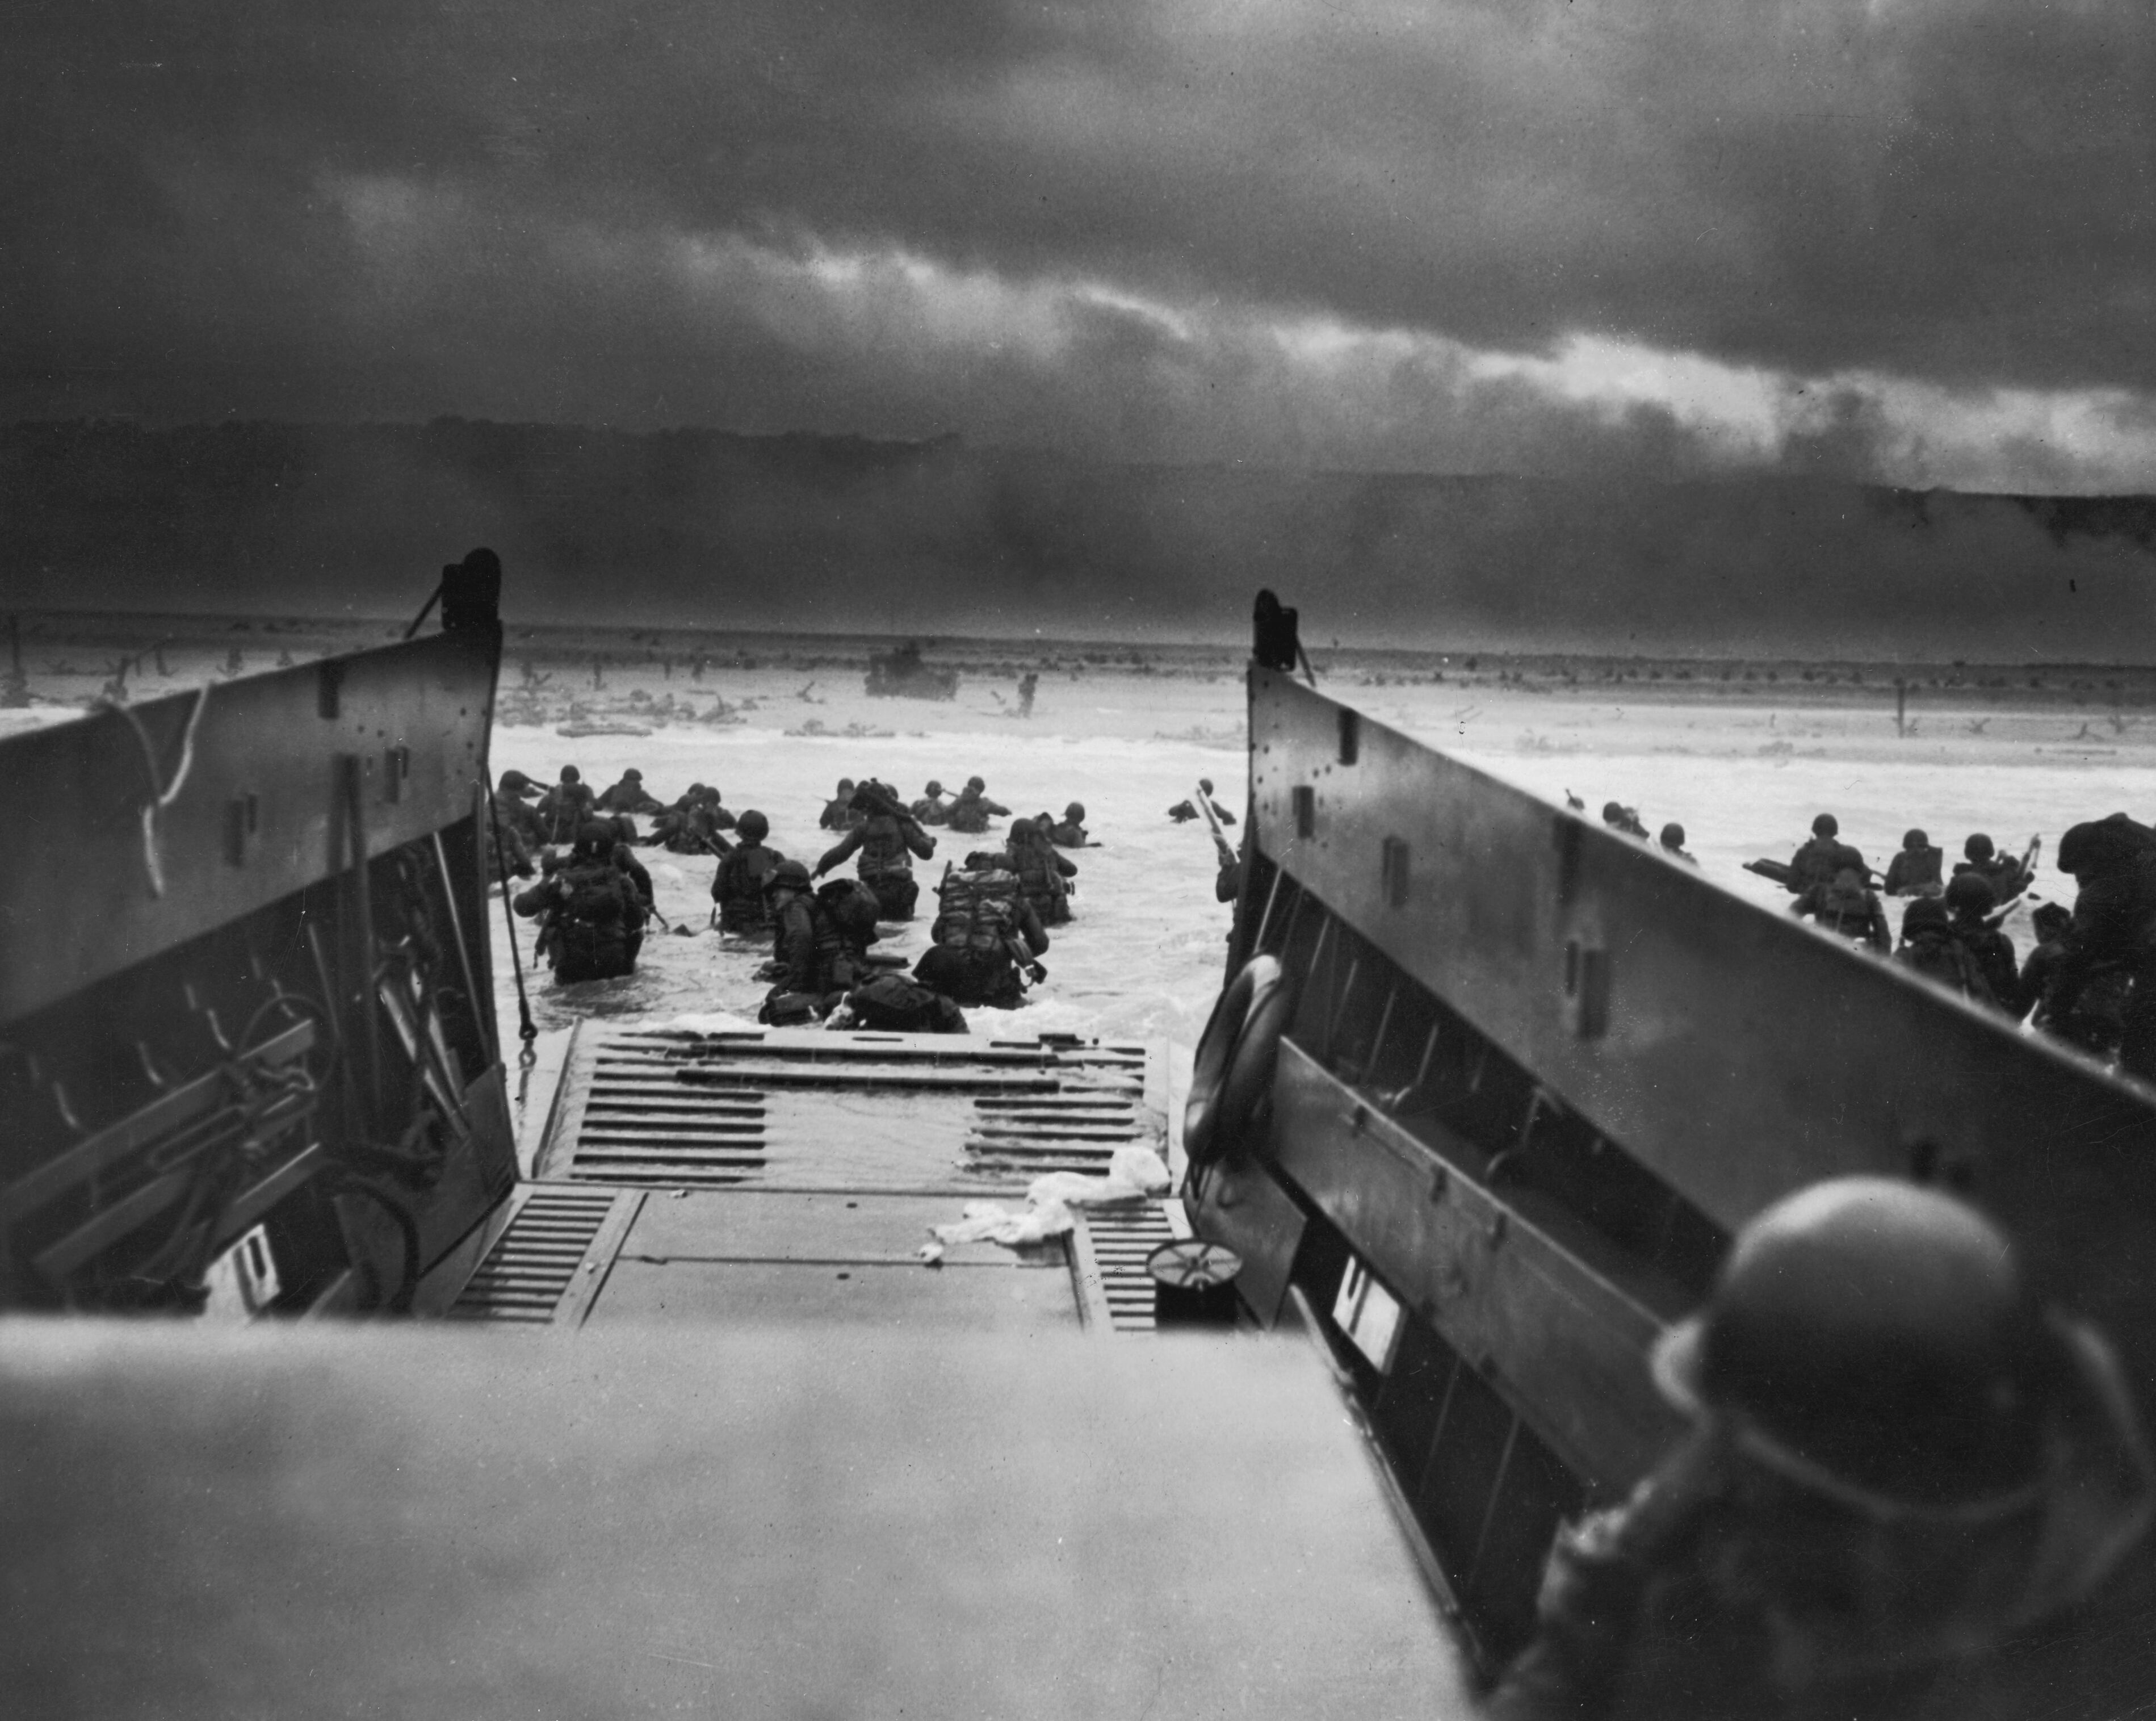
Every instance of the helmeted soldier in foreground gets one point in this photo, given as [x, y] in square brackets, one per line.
[737, 886]
[1041, 871]
[1070, 832]
[885, 836]
[1908, 1491]
[591, 918]
[1846, 907]
[838, 812]
[2113, 929]
[800, 978]
[1183, 811]
[986, 939]
[1968, 898]
[973, 809]
[1929, 947]
[630, 795]
[2091, 1018]
[2006, 876]
[1915, 870]
[1817, 862]
[520, 836]
[565, 806]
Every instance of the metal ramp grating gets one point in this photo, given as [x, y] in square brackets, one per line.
[642, 1125]
[1109, 1247]
[545, 1266]
[793, 1108]
[1064, 1132]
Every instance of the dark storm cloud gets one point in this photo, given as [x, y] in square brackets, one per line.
[514, 209]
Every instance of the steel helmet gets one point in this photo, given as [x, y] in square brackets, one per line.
[570, 773]
[1924, 911]
[2101, 845]
[1826, 825]
[1874, 1342]
[1915, 839]
[632, 775]
[1076, 812]
[1979, 847]
[1971, 893]
[789, 875]
[934, 787]
[976, 783]
[1673, 835]
[753, 826]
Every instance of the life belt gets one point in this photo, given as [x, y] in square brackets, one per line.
[1234, 1069]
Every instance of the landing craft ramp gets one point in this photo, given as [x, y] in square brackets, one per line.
[1537, 1076]
[760, 1174]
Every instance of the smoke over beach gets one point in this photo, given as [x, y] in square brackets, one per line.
[706, 528]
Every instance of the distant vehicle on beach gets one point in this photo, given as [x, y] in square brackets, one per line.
[900, 674]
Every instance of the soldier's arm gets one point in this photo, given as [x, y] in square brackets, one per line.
[1595, 1586]
[998, 806]
[1031, 930]
[922, 844]
[838, 851]
[1590, 1601]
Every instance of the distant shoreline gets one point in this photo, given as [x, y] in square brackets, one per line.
[71, 646]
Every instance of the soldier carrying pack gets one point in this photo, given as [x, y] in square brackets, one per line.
[988, 938]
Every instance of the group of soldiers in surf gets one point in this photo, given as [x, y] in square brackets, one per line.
[594, 899]
[2090, 979]
[1626, 821]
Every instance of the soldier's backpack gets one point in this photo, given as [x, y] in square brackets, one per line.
[1846, 909]
[742, 874]
[845, 913]
[979, 907]
[1941, 959]
[883, 848]
[892, 1003]
[598, 896]
[1041, 881]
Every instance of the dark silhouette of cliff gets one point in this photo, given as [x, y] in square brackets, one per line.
[710, 527]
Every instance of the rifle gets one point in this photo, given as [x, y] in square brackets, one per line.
[1221, 846]
[2028, 856]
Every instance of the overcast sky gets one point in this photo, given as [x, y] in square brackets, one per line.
[1913, 240]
